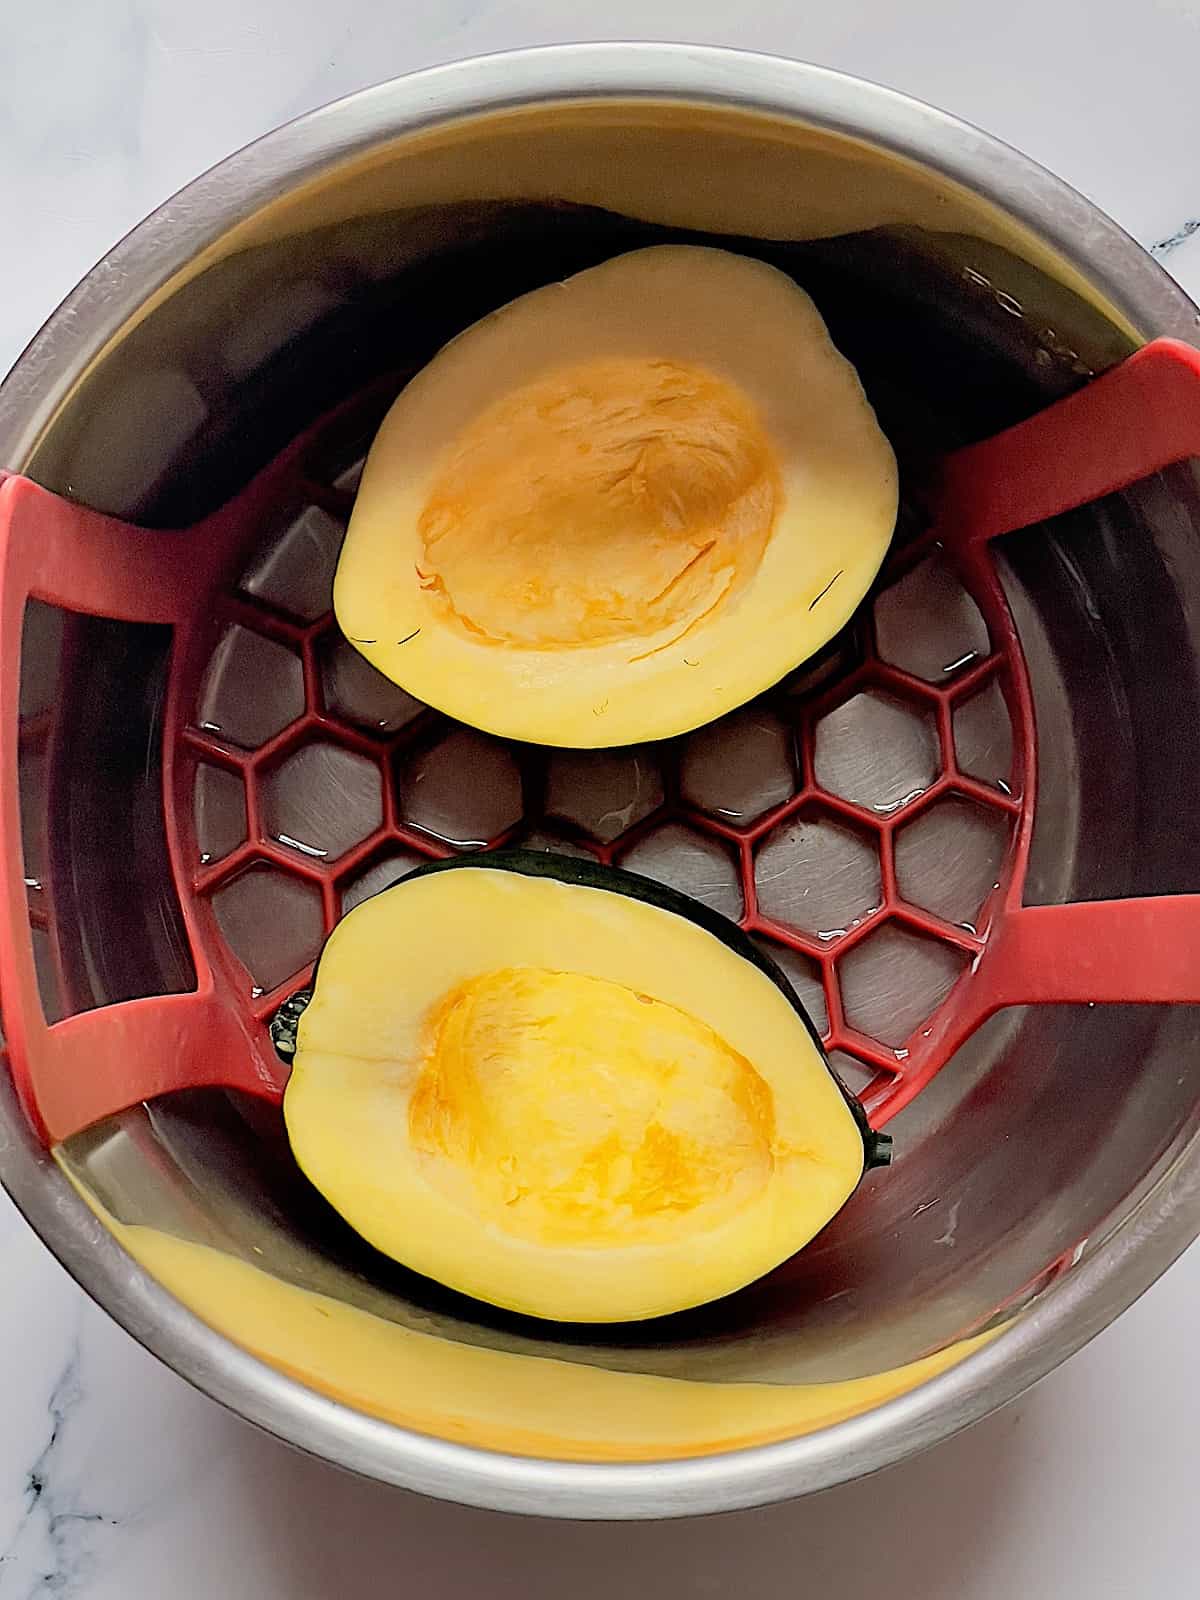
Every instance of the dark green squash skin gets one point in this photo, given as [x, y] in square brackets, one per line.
[877, 1147]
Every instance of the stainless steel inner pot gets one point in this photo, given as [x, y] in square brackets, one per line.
[1049, 1173]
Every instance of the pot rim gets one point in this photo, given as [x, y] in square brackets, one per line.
[1144, 1241]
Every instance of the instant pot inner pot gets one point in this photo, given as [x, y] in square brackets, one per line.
[1048, 1119]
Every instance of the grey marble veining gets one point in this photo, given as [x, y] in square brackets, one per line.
[1173, 241]
[54, 1542]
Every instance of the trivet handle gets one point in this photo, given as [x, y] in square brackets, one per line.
[1096, 952]
[52, 549]
[1138, 418]
[100, 1062]
[97, 1062]
[1143, 950]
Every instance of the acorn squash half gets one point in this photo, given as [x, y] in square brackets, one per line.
[565, 1090]
[619, 506]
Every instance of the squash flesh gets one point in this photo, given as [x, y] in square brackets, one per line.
[388, 1117]
[579, 1111]
[612, 499]
[620, 506]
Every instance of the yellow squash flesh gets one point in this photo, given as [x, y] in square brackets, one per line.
[561, 1100]
[619, 506]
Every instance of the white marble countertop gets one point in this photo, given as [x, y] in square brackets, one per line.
[116, 1480]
